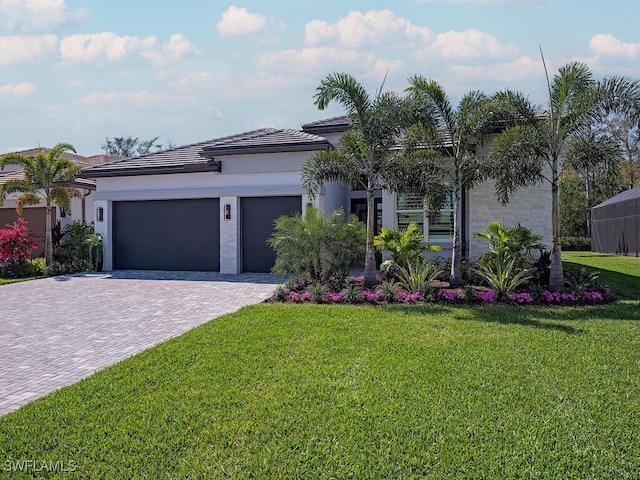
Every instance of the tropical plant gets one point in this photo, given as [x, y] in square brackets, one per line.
[405, 246]
[443, 141]
[505, 243]
[94, 245]
[363, 151]
[531, 151]
[316, 245]
[48, 177]
[503, 277]
[416, 276]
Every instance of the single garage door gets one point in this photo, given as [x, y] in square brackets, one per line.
[167, 235]
[258, 216]
[36, 218]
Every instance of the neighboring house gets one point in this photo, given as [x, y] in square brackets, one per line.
[211, 205]
[81, 208]
[615, 225]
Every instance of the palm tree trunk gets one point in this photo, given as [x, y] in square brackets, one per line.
[455, 278]
[556, 277]
[370, 254]
[48, 239]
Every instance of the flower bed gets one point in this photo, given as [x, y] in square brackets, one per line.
[303, 291]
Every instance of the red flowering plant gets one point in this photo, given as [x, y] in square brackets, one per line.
[16, 244]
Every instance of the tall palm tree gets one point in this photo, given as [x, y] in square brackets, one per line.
[47, 177]
[449, 137]
[532, 152]
[363, 151]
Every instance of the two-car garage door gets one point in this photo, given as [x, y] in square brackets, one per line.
[185, 234]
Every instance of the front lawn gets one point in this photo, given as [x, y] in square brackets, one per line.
[320, 391]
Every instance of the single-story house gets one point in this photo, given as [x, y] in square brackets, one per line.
[81, 207]
[211, 205]
[615, 225]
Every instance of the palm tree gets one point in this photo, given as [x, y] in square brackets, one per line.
[532, 152]
[447, 137]
[363, 151]
[47, 177]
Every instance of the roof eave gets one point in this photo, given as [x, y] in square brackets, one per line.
[213, 166]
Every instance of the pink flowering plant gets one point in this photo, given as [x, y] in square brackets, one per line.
[582, 289]
[16, 247]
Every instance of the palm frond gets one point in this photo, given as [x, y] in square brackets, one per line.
[26, 199]
[347, 91]
[328, 166]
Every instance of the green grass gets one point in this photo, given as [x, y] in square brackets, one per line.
[6, 281]
[305, 391]
[621, 273]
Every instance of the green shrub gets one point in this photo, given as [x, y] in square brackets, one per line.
[575, 244]
[316, 245]
[507, 243]
[74, 253]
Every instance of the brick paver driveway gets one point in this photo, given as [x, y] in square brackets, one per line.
[56, 331]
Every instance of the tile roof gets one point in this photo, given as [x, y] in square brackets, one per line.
[330, 125]
[19, 175]
[199, 157]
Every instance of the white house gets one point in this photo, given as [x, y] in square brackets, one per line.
[211, 205]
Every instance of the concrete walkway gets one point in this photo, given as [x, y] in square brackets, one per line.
[56, 331]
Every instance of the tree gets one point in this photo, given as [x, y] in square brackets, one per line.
[596, 160]
[129, 147]
[363, 151]
[47, 176]
[443, 141]
[532, 152]
[625, 130]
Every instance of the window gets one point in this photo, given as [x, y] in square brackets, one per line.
[410, 207]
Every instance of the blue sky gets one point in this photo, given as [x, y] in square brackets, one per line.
[78, 71]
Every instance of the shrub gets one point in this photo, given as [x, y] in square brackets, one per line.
[507, 243]
[406, 247]
[16, 245]
[575, 244]
[317, 245]
[73, 255]
[502, 277]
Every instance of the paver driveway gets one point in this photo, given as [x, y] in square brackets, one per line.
[56, 331]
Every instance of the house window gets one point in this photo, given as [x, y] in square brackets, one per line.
[410, 207]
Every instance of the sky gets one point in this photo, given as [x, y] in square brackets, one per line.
[79, 71]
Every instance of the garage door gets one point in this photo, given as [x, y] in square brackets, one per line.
[167, 235]
[258, 215]
[36, 218]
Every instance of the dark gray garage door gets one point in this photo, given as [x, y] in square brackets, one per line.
[167, 235]
[258, 215]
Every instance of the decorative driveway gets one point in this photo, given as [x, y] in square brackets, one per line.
[56, 331]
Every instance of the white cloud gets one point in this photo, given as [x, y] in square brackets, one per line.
[136, 99]
[239, 21]
[171, 52]
[521, 69]
[607, 44]
[24, 49]
[105, 45]
[467, 44]
[38, 15]
[20, 90]
[314, 59]
[357, 29]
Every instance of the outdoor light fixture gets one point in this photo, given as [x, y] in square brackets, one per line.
[227, 211]
[99, 214]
